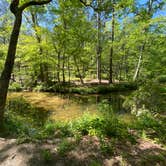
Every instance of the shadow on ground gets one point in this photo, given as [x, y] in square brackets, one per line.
[86, 153]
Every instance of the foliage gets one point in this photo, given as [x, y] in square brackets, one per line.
[16, 87]
[22, 120]
[46, 154]
[150, 126]
[106, 146]
[64, 147]
[162, 78]
[58, 129]
[148, 96]
[58, 43]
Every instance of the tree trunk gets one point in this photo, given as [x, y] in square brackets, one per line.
[99, 47]
[78, 70]
[68, 66]
[43, 76]
[9, 63]
[112, 47]
[58, 68]
[63, 68]
[149, 12]
[139, 62]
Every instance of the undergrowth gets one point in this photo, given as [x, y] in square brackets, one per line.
[28, 124]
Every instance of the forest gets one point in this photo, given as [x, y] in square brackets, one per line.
[82, 82]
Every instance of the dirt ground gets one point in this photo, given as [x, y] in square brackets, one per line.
[86, 153]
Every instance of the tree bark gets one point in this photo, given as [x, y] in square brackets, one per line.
[9, 63]
[112, 47]
[99, 46]
[139, 62]
[58, 66]
[149, 13]
[63, 68]
[68, 67]
[78, 70]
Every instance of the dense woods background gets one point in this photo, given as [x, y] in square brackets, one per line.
[66, 40]
[104, 58]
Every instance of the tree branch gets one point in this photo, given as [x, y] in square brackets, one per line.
[14, 6]
[33, 3]
[84, 2]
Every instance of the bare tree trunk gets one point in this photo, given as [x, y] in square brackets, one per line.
[149, 12]
[9, 63]
[58, 71]
[112, 47]
[126, 66]
[68, 66]
[78, 70]
[139, 62]
[99, 46]
[63, 68]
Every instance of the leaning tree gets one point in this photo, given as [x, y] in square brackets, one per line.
[17, 9]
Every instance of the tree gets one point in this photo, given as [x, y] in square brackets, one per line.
[17, 9]
[145, 15]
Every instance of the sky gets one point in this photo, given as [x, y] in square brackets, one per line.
[158, 13]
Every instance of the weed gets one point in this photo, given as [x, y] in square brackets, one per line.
[47, 155]
[64, 147]
[95, 163]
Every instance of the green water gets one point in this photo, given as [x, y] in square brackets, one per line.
[66, 107]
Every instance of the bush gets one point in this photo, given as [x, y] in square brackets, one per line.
[60, 128]
[107, 124]
[38, 88]
[161, 79]
[47, 155]
[150, 126]
[64, 147]
[148, 96]
[16, 87]
[18, 104]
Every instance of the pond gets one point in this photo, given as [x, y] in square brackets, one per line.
[66, 107]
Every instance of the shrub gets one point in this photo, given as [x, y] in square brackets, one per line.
[151, 126]
[161, 79]
[16, 87]
[46, 154]
[64, 147]
[148, 96]
[63, 129]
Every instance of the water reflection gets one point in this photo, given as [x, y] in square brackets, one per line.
[70, 106]
[115, 100]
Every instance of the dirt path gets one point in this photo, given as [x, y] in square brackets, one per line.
[86, 153]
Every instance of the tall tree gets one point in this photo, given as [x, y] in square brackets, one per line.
[145, 15]
[112, 43]
[17, 9]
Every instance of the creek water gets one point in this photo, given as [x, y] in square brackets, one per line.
[66, 107]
